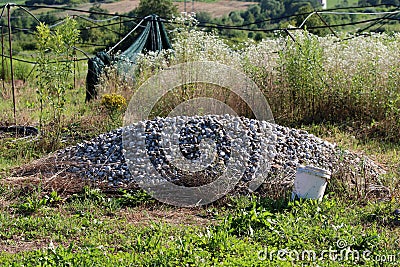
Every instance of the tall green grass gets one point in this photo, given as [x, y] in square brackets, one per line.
[22, 70]
[322, 79]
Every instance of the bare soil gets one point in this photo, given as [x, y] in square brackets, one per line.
[16, 245]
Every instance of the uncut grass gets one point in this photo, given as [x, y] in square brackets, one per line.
[81, 121]
[98, 231]
[91, 227]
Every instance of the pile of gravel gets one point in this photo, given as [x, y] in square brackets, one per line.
[262, 151]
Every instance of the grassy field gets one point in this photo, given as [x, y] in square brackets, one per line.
[90, 228]
[334, 3]
[3, 2]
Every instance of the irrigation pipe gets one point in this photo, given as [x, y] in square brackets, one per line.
[58, 23]
[97, 20]
[74, 9]
[101, 26]
[51, 62]
[347, 13]
[359, 13]
[304, 21]
[30, 13]
[388, 17]
[80, 50]
[33, 68]
[301, 14]
[126, 36]
[2, 12]
[347, 24]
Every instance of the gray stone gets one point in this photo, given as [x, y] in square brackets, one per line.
[102, 158]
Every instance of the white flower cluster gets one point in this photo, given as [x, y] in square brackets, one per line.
[362, 66]
[374, 55]
[356, 55]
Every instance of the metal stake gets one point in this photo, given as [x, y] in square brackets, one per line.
[11, 62]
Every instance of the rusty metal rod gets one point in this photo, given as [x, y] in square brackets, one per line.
[11, 62]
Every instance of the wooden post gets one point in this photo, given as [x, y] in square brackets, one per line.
[78, 71]
[11, 62]
[74, 60]
[3, 74]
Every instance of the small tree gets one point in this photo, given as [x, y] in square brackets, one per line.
[54, 70]
[162, 8]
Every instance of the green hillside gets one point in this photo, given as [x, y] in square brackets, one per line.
[3, 2]
[334, 3]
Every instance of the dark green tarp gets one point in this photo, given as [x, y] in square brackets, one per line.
[95, 68]
[153, 38]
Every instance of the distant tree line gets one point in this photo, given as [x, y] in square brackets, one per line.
[64, 2]
[268, 14]
[270, 10]
[378, 2]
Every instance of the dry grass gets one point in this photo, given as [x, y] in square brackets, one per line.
[50, 174]
[16, 245]
[47, 173]
[216, 9]
[176, 216]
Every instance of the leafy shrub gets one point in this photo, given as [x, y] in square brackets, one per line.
[115, 105]
[113, 102]
[54, 66]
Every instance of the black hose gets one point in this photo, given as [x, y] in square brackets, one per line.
[20, 130]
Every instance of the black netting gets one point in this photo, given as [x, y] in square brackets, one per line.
[153, 38]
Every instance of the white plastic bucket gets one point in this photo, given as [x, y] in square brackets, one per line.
[310, 182]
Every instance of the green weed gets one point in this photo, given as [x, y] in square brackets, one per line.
[35, 202]
[132, 199]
